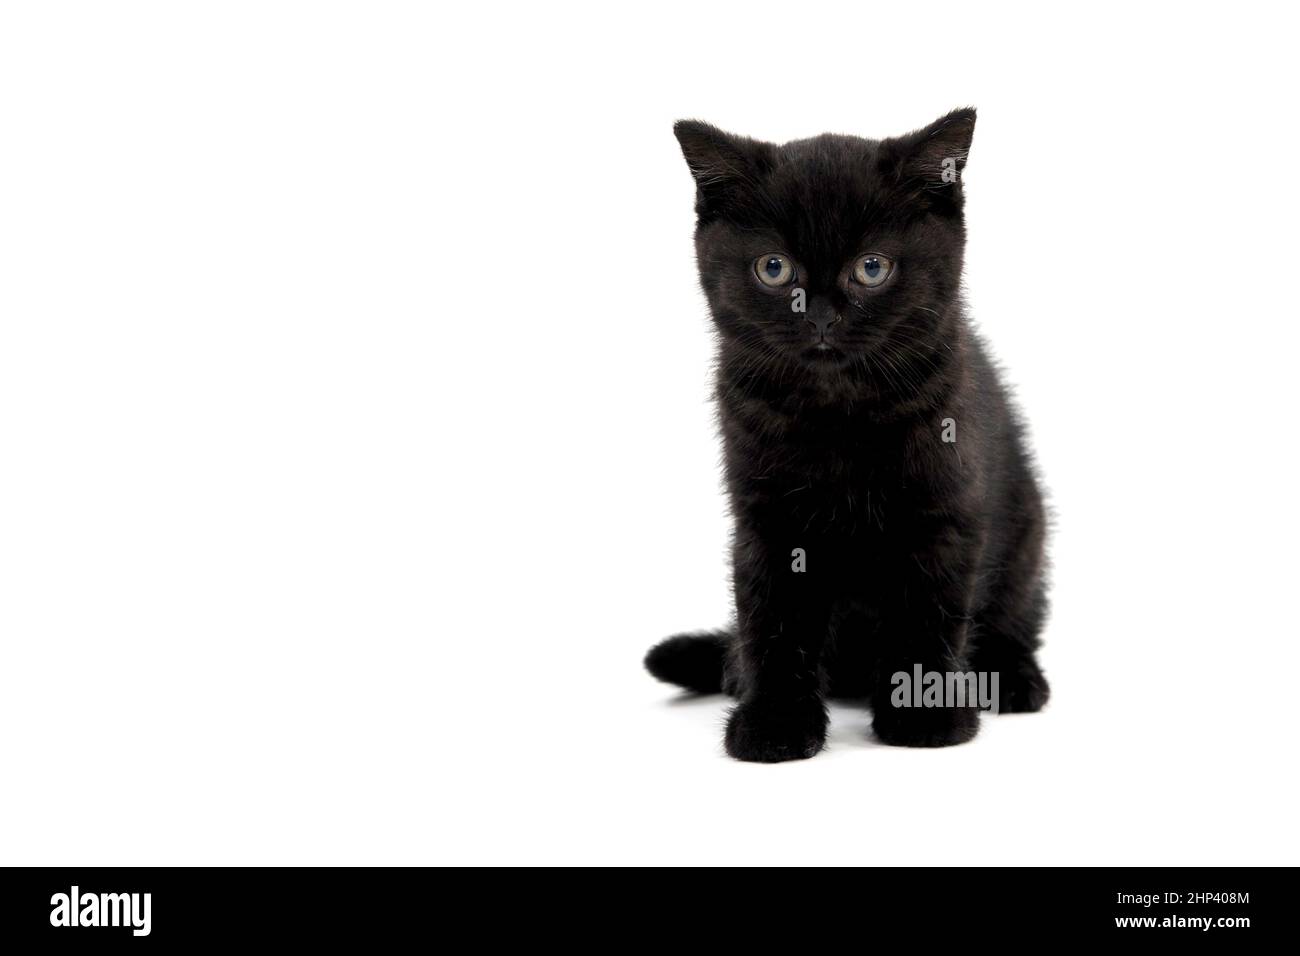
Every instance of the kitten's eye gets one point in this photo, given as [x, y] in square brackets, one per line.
[773, 269]
[873, 270]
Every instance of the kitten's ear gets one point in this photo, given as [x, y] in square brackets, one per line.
[933, 159]
[726, 167]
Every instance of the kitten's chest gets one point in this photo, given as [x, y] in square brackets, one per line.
[850, 488]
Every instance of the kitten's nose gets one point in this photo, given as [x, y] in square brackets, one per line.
[822, 320]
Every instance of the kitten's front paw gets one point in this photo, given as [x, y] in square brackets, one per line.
[925, 726]
[1023, 691]
[769, 732]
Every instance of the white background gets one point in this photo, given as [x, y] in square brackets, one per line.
[356, 439]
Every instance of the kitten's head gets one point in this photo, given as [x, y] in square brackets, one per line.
[865, 235]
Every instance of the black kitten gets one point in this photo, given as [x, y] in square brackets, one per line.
[887, 515]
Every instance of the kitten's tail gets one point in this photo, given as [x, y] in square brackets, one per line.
[692, 661]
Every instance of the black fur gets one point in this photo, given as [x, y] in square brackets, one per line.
[918, 550]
